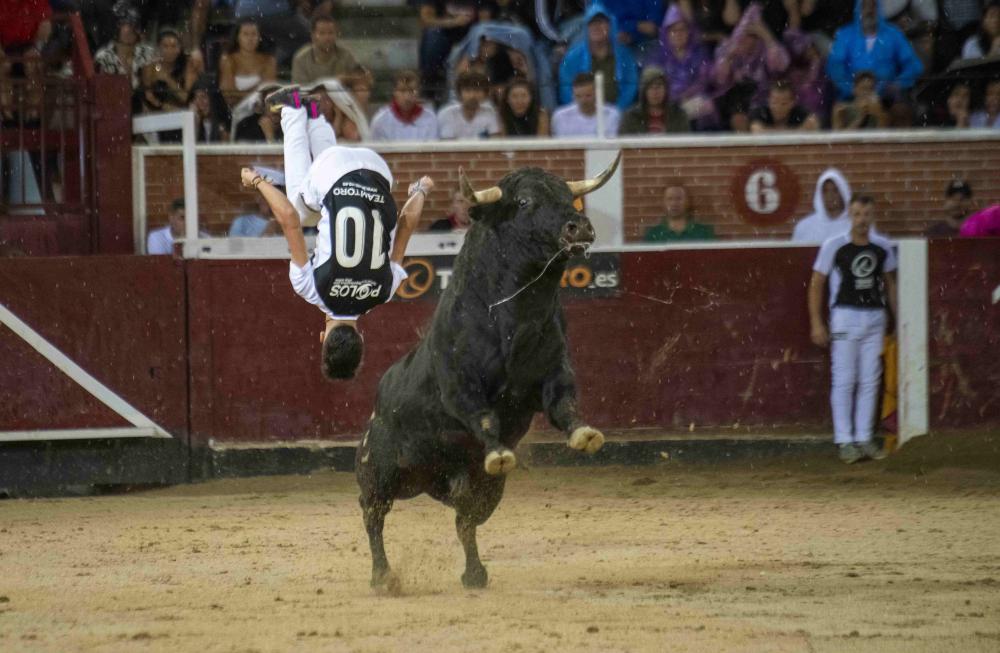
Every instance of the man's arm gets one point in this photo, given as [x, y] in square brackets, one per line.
[284, 213]
[817, 328]
[409, 218]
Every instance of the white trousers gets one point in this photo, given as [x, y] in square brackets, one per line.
[304, 141]
[856, 339]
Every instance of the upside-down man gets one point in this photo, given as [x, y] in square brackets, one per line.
[360, 242]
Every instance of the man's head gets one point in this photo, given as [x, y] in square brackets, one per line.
[869, 16]
[675, 201]
[460, 208]
[406, 90]
[324, 34]
[957, 199]
[599, 31]
[781, 101]
[472, 88]
[176, 217]
[833, 201]
[342, 350]
[864, 84]
[585, 94]
[201, 101]
[862, 211]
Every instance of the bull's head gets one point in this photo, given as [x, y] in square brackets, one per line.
[539, 204]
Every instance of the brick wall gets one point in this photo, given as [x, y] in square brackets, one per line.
[907, 179]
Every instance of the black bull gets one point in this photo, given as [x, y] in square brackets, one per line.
[448, 414]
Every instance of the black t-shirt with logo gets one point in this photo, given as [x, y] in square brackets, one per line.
[357, 275]
[856, 271]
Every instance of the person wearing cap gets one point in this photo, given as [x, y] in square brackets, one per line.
[957, 205]
[597, 51]
[361, 239]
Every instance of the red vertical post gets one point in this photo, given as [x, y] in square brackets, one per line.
[112, 150]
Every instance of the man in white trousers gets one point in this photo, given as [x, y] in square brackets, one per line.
[360, 243]
[860, 266]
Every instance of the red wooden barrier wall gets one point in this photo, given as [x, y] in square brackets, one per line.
[710, 338]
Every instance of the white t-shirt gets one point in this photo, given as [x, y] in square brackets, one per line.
[569, 122]
[387, 127]
[452, 123]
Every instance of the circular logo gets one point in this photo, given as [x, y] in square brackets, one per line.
[863, 265]
[765, 192]
[419, 280]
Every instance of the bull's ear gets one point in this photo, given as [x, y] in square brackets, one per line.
[579, 188]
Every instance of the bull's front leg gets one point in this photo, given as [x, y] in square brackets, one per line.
[468, 404]
[559, 402]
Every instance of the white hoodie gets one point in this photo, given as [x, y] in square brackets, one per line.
[818, 226]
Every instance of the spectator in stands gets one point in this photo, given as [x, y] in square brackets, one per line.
[359, 83]
[252, 122]
[25, 30]
[714, 19]
[906, 14]
[405, 118]
[168, 80]
[864, 110]
[678, 221]
[520, 113]
[872, 43]
[443, 24]
[687, 64]
[745, 65]
[458, 220]
[126, 54]
[830, 215]
[958, 107]
[957, 205]
[958, 20]
[580, 118]
[781, 113]
[260, 222]
[986, 42]
[244, 65]
[598, 51]
[982, 224]
[638, 23]
[322, 58]
[472, 116]
[341, 110]
[161, 241]
[989, 116]
[209, 128]
[822, 19]
[807, 73]
[283, 25]
[654, 113]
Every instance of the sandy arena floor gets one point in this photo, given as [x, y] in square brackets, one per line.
[803, 555]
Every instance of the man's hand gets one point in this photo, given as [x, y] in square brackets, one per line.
[425, 184]
[247, 176]
[819, 335]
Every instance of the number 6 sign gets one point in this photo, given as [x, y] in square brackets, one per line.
[765, 192]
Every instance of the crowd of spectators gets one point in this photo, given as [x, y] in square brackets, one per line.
[517, 68]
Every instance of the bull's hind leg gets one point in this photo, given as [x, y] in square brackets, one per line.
[378, 478]
[477, 501]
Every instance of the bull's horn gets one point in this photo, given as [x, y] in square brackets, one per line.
[579, 188]
[488, 196]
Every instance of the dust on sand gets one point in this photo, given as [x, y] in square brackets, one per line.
[797, 554]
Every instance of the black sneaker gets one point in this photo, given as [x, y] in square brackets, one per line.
[286, 96]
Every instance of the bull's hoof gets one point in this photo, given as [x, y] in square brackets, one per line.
[387, 583]
[586, 439]
[499, 461]
[475, 578]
